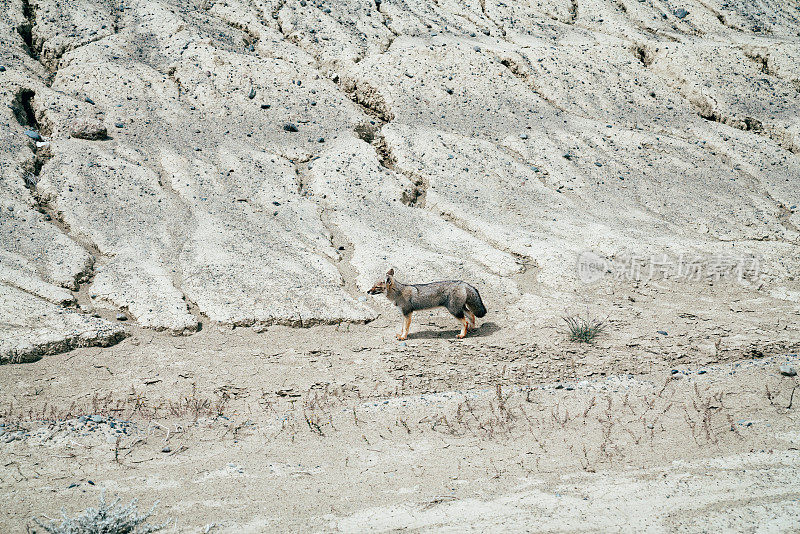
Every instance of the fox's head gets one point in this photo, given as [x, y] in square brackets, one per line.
[382, 286]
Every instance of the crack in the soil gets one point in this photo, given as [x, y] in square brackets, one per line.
[25, 30]
[525, 75]
[707, 109]
[386, 20]
[26, 116]
[761, 60]
[573, 12]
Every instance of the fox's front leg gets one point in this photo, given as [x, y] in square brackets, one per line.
[471, 317]
[463, 333]
[406, 326]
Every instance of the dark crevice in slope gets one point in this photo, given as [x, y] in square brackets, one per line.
[750, 124]
[761, 59]
[25, 30]
[22, 107]
[386, 20]
[367, 98]
[573, 12]
[643, 54]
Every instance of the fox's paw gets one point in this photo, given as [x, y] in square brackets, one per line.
[461, 336]
[400, 337]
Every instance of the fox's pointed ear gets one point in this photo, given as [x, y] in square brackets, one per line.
[390, 273]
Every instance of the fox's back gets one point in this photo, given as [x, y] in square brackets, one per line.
[437, 293]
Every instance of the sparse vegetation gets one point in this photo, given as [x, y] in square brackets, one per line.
[112, 518]
[584, 329]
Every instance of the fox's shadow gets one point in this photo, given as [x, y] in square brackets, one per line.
[483, 330]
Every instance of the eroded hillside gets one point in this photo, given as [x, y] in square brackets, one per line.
[260, 162]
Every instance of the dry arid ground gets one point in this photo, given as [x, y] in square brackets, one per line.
[195, 196]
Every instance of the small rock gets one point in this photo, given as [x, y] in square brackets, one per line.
[265, 106]
[289, 127]
[477, 48]
[119, 125]
[33, 135]
[681, 13]
[2, 68]
[523, 136]
[674, 371]
[559, 386]
[701, 372]
[122, 317]
[90, 482]
[321, 140]
[252, 94]
[788, 370]
[90, 129]
[259, 328]
[89, 100]
[569, 388]
[662, 332]
[166, 449]
[97, 418]
[650, 426]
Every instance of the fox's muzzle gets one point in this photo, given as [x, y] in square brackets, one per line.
[375, 290]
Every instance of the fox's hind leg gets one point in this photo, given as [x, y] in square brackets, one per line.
[406, 326]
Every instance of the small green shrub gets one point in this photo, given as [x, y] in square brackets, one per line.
[583, 329]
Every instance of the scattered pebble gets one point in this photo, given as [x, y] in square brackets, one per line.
[166, 449]
[33, 135]
[89, 100]
[523, 136]
[119, 125]
[788, 370]
[289, 127]
[2, 68]
[86, 128]
[674, 371]
[662, 332]
[122, 317]
[681, 13]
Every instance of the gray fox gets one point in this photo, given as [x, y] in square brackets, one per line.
[461, 299]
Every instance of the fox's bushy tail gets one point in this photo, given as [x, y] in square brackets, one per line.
[474, 302]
